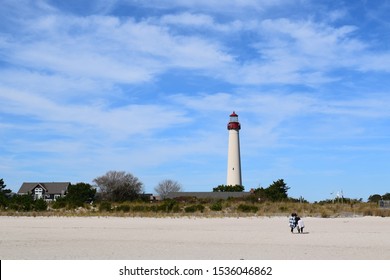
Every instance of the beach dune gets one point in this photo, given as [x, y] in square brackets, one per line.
[108, 238]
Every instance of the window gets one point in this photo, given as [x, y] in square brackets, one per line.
[38, 193]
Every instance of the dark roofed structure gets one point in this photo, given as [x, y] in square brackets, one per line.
[48, 191]
[213, 195]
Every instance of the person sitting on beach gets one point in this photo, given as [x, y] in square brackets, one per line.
[296, 221]
[301, 225]
[292, 222]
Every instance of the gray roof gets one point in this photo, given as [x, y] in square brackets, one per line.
[51, 187]
[215, 195]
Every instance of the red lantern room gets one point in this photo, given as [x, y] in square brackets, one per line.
[233, 123]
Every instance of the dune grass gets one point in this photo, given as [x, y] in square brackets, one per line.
[227, 208]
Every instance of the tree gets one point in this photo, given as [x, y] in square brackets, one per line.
[167, 186]
[4, 194]
[277, 190]
[80, 193]
[40, 205]
[377, 197]
[119, 186]
[23, 202]
[229, 188]
[386, 196]
[374, 198]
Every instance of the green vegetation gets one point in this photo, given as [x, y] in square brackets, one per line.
[229, 188]
[4, 194]
[79, 194]
[83, 199]
[247, 208]
[194, 208]
[24, 205]
[277, 191]
[378, 197]
[216, 206]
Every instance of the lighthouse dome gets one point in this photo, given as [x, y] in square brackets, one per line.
[233, 122]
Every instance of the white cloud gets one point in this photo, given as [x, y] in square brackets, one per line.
[231, 6]
[116, 123]
[198, 20]
[85, 90]
[374, 62]
[113, 50]
[202, 22]
[55, 85]
[314, 45]
[104, 48]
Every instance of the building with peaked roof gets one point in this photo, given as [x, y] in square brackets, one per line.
[47, 191]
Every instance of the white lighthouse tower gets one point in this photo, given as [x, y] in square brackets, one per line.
[234, 161]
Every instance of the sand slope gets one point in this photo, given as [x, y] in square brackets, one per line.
[104, 238]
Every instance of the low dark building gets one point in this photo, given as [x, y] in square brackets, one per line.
[47, 191]
[210, 195]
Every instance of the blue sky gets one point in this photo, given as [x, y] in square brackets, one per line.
[147, 87]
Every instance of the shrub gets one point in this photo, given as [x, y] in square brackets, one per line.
[123, 208]
[216, 206]
[40, 205]
[169, 205]
[368, 212]
[194, 208]
[325, 214]
[247, 208]
[154, 208]
[59, 203]
[190, 209]
[105, 206]
[22, 203]
[283, 208]
[229, 188]
[140, 208]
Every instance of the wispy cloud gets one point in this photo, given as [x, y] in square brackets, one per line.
[148, 86]
[81, 118]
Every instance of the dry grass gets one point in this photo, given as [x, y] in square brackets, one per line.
[229, 209]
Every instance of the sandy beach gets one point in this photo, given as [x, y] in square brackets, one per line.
[115, 238]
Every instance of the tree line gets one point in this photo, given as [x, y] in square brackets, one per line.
[113, 186]
[120, 186]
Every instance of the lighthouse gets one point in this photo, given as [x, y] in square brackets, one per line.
[234, 161]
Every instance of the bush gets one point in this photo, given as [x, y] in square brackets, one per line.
[169, 205]
[216, 206]
[79, 194]
[105, 206]
[325, 214]
[247, 208]
[140, 208]
[229, 188]
[40, 205]
[123, 208]
[22, 203]
[194, 208]
[283, 208]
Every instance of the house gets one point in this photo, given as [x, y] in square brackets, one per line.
[47, 191]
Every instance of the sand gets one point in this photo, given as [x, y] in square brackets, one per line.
[257, 238]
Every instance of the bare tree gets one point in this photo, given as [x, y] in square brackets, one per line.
[119, 186]
[167, 186]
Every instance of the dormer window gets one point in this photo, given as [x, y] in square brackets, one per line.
[38, 193]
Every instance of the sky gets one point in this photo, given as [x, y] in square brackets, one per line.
[147, 87]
